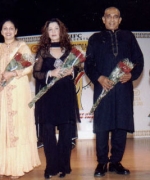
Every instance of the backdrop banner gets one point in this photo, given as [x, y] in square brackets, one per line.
[84, 87]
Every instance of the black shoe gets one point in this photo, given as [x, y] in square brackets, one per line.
[62, 175]
[47, 176]
[100, 170]
[118, 168]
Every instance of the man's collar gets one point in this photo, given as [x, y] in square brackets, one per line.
[112, 31]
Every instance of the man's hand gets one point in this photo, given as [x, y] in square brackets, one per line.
[105, 82]
[125, 78]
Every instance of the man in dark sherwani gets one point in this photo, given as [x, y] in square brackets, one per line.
[114, 114]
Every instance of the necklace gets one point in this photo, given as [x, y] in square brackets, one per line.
[9, 44]
[8, 48]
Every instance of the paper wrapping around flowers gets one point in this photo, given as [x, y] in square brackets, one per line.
[19, 61]
[75, 57]
[124, 66]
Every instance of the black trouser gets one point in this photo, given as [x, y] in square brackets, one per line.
[57, 152]
[118, 143]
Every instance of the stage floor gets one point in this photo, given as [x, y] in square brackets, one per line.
[83, 162]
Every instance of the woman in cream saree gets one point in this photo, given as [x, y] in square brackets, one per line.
[18, 142]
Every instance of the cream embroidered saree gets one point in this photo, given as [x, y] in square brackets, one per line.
[18, 142]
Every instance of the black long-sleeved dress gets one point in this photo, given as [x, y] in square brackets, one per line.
[59, 104]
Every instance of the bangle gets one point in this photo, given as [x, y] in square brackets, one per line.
[48, 75]
[49, 72]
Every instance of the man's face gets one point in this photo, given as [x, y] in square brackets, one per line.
[112, 19]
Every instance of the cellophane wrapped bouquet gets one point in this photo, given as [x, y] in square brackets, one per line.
[19, 61]
[123, 67]
[75, 58]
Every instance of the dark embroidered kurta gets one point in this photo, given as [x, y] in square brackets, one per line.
[104, 51]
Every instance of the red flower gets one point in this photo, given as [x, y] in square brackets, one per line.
[26, 63]
[124, 67]
[19, 58]
[78, 54]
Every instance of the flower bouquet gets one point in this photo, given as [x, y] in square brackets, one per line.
[75, 57]
[19, 61]
[122, 68]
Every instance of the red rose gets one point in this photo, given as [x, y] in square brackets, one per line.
[18, 56]
[26, 63]
[124, 67]
[78, 54]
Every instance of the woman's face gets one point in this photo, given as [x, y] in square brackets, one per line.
[54, 32]
[8, 30]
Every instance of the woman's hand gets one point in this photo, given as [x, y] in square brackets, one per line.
[55, 72]
[8, 75]
[60, 72]
[67, 72]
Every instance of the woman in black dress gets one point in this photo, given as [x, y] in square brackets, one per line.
[59, 105]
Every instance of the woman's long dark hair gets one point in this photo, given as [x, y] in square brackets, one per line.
[45, 41]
